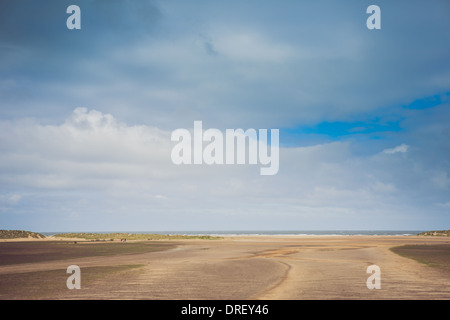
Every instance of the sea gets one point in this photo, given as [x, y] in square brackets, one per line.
[265, 232]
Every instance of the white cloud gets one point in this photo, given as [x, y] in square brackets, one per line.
[8, 201]
[94, 166]
[403, 148]
[252, 47]
[89, 146]
[445, 205]
[11, 199]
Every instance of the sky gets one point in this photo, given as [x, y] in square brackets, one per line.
[86, 115]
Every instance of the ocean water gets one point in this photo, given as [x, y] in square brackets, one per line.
[268, 232]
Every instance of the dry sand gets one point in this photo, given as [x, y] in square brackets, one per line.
[262, 267]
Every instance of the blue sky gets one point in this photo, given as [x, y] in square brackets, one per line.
[382, 124]
[87, 114]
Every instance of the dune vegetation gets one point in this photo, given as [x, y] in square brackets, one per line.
[439, 233]
[16, 234]
[132, 236]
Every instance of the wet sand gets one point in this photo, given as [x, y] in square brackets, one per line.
[259, 267]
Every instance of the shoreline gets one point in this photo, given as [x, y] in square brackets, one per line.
[235, 236]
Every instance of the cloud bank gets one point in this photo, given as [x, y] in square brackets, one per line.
[93, 170]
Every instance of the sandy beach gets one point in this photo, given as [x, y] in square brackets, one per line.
[244, 267]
